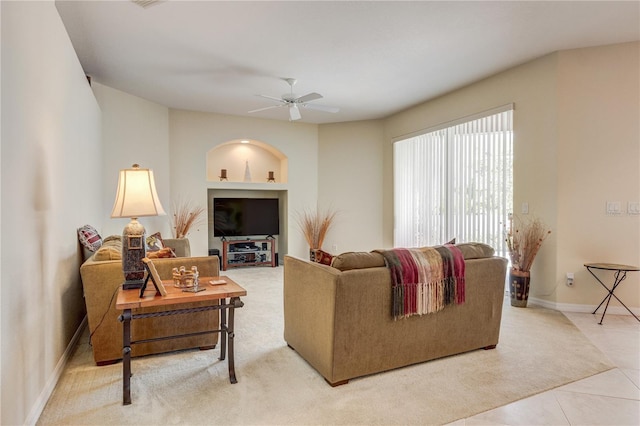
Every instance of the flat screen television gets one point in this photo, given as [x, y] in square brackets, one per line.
[239, 217]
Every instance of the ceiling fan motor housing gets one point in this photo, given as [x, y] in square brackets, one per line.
[292, 101]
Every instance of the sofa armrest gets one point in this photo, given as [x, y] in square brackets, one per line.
[309, 310]
[180, 246]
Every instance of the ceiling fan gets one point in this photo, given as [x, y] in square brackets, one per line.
[294, 102]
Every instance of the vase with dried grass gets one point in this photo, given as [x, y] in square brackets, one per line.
[314, 225]
[186, 215]
[524, 239]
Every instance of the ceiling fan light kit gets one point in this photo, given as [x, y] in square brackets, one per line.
[294, 102]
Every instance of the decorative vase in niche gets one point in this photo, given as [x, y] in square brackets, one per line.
[519, 287]
[247, 172]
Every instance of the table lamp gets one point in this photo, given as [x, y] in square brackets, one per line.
[136, 197]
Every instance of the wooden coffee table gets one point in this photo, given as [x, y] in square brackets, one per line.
[224, 297]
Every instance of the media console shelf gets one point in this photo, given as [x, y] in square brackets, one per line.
[237, 253]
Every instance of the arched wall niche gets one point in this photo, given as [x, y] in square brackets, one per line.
[235, 155]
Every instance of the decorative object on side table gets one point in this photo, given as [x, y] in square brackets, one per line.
[136, 197]
[152, 274]
[314, 226]
[185, 279]
[524, 239]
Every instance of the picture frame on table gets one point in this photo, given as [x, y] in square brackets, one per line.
[152, 274]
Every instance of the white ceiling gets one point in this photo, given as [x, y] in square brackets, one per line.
[370, 58]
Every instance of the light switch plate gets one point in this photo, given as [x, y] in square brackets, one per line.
[613, 208]
[633, 208]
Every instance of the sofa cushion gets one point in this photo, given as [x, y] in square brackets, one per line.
[111, 249]
[357, 260]
[89, 238]
[362, 260]
[475, 250]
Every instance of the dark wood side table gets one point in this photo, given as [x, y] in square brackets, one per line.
[619, 276]
[223, 297]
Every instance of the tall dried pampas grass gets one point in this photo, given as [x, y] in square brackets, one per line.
[186, 215]
[315, 225]
[524, 239]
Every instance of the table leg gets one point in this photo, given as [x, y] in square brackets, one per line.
[617, 282]
[223, 330]
[618, 278]
[235, 303]
[125, 318]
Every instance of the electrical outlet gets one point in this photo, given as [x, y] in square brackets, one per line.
[334, 248]
[570, 279]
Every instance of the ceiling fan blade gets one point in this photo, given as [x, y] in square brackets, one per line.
[294, 113]
[308, 97]
[272, 98]
[265, 108]
[321, 108]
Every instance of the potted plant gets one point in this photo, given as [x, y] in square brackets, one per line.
[315, 225]
[524, 239]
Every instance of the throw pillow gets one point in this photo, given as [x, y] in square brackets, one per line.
[154, 242]
[111, 249]
[89, 238]
[323, 257]
[165, 252]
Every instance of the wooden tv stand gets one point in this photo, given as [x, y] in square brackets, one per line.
[238, 253]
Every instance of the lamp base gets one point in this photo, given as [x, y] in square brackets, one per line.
[132, 284]
[133, 251]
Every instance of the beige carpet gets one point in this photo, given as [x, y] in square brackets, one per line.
[539, 349]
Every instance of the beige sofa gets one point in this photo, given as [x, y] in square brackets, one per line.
[338, 318]
[101, 280]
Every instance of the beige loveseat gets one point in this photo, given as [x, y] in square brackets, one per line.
[339, 318]
[101, 280]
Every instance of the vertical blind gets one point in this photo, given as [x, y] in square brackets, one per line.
[455, 182]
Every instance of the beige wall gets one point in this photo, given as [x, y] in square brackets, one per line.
[134, 130]
[51, 185]
[598, 160]
[576, 145]
[194, 134]
[350, 181]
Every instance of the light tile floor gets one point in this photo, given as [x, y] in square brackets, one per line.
[609, 398]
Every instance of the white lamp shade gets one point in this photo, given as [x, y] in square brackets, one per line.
[136, 195]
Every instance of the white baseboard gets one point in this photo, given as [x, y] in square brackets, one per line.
[40, 403]
[570, 307]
